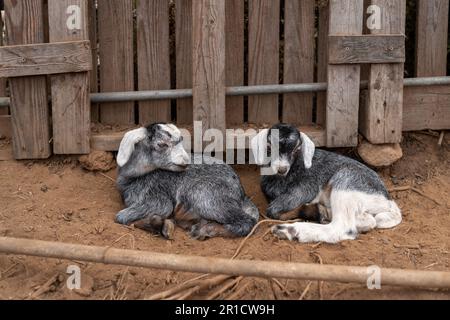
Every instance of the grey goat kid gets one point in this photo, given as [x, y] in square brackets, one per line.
[345, 193]
[160, 187]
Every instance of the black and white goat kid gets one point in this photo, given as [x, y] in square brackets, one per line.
[347, 194]
[160, 188]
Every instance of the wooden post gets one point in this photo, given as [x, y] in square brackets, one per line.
[209, 63]
[427, 107]
[3, 110]
[234, 34]
[346, 18]
[153, 58]
[115, 22]
[29, 105]
[183, 26]
[263, 60]
[299, 59]
[94, 85]
[70, 92]
[432, 38]
[382, 115]
[322, 61]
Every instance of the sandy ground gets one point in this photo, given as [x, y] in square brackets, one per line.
[57, 200]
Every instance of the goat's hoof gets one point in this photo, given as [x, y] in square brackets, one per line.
[197, 233]
[284, 232]
[123, 217]
[168, 229]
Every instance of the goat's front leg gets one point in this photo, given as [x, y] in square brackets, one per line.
[149, 215]
[280, 207]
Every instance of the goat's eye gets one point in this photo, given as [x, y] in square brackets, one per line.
[163, 145]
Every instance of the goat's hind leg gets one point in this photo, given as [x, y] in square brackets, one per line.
[209, 229]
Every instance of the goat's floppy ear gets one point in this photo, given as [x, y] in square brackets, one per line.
[259, 146]
[308, 150]
[127, 145]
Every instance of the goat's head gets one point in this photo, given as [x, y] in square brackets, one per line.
[280, 146]
[158, 146]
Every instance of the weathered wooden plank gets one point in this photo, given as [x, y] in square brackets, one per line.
[346, 18]
[48, 58]
[93, 74]
[115, 30]
[153, 58]
[299, 59]
[71, 107]
[111, 141]
[367, 49]
[234, 33]
[432, 38]
[322, 60]
[209, 63]
[183, 26]
[382, 117]
[264, 35]
[29, 105]
[3, 110]
[426, 108]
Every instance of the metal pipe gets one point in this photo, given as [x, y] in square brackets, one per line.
[106, 97]
[212, 265]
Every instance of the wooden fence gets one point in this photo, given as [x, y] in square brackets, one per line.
[208, 45]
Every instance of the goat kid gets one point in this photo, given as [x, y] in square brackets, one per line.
[161, 188]
[345, 196]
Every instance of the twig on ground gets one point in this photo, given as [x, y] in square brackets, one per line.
[237, 294]
[272, 287]
[408, 188]
[46, 287]
[431, 265]
[320, 283]
[282, 287]
[106, 176]
[338, 293]
[407, 246]
[180, 290]
[305, 291]
[225, 288]
[254, 230]
[441, 138]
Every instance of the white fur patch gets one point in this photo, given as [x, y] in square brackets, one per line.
[351, 211]
[172, 129]
[259, 147]
[308, 150]
[127, 145]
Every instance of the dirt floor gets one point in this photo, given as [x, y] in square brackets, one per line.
[57, 200]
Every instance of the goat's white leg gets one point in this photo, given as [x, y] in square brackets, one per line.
[365, 222]
[344, 208]
[389, 218]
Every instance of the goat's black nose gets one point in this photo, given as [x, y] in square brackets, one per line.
[282, 170]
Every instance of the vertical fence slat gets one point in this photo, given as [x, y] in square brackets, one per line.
[3, 110]
[346, 18]
[29, 106]
[264, 36]
[234, 58]
[71, 111]
[115, 20]
[153, 58]
[427, 107]
[322, 60]
[432, 41]
[92, 11]
[209, 63]
[381, 120]
[183, 25]
[299, 58]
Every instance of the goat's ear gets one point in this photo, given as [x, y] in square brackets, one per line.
[127, 145]
[259, 147]
[308, 150]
